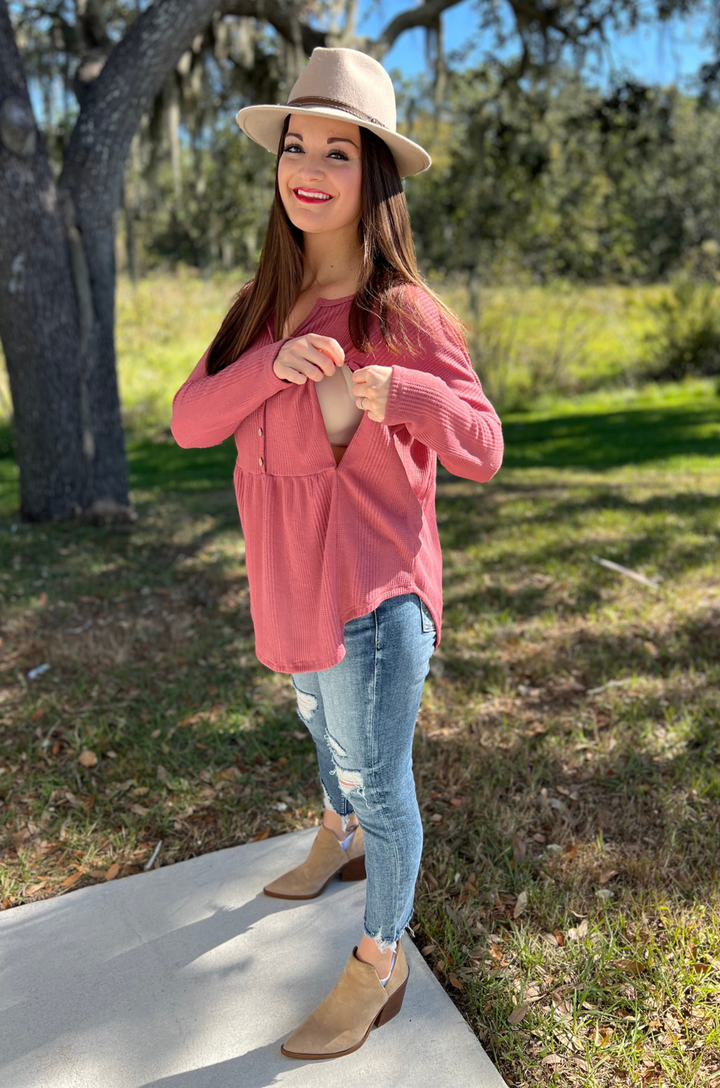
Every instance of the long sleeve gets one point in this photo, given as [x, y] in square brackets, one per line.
[208, 409]
[438, 397]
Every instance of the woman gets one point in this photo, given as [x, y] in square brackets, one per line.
[343, 378]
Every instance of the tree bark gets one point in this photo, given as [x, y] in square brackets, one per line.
[57, 264]
[91, 184]
[39, 325]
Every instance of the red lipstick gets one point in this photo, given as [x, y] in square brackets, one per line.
[303, 194]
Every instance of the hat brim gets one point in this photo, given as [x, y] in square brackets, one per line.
[263, 124]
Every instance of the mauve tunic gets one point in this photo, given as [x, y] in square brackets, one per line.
[327, 542]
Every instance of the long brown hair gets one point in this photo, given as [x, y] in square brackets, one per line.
[388, 261]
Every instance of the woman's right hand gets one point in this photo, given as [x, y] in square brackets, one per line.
[309, 356]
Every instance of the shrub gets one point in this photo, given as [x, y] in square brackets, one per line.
[687, 338]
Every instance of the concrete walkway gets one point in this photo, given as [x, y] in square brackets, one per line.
[189, 977]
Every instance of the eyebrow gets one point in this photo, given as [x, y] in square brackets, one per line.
[331, 139]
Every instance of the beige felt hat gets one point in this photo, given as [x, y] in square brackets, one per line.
[346, 84]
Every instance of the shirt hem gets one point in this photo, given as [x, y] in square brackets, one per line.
[355, 614]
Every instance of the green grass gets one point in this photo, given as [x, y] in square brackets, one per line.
[531, 341]
[567, 756]
[673, 426]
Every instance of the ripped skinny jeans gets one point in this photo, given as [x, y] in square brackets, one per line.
[361, 714]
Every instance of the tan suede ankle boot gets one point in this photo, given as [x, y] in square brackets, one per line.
[342, 1021]
[325, 860]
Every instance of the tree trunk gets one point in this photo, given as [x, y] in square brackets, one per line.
[103, 438]
[91, 182]
[57, 264]
[131, 255]
[39, 325]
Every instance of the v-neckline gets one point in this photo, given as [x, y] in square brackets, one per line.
[318, 301]
[318, 414]
[316, 400]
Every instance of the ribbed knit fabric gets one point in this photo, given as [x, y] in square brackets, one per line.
[325, 543]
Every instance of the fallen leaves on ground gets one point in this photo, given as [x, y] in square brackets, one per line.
[519, 849]
[73, 879]
[603, 1036]
[607, 875]
[633, 967]
[519, 1013]
[521, 904]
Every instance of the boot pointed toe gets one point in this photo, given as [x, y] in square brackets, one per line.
[326, 860]
[343, 1020]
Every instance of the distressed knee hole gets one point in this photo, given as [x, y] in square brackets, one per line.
[335, 748]
[350, 781]
[306, 704]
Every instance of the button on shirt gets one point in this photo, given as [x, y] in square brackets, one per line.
[327, 542]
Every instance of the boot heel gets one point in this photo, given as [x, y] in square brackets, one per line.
[393, 1005]
[354, 870]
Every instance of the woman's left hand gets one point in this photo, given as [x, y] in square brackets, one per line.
[371, 389]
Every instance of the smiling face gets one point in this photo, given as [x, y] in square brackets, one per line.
[319, 173]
